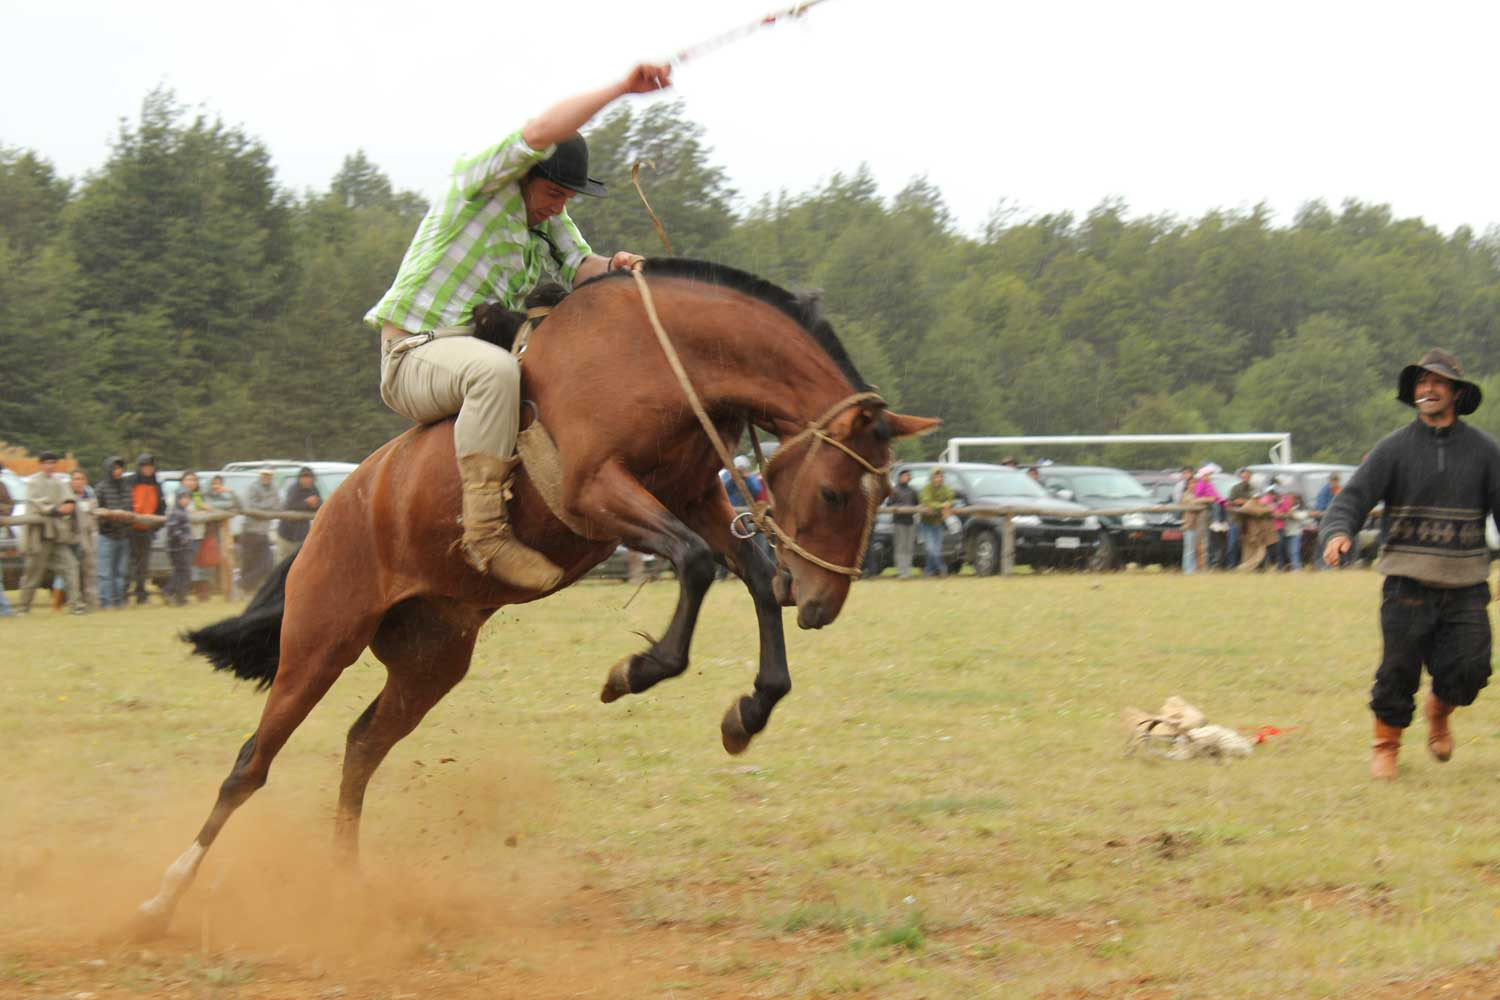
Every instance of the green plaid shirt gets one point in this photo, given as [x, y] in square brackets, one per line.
[475, 246]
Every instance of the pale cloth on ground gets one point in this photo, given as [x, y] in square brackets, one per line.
[435, 378]
[1179, 731]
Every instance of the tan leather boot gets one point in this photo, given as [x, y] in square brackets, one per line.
[1387, 744]
[57, 600]
[489, 544]
[1439, 735]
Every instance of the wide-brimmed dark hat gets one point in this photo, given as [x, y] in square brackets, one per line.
[1466, 394]
[569, 166]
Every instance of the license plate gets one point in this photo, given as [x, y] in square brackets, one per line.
[1066, 542]
[1171, 535]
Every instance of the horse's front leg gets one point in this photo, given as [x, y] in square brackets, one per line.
[751, 559]
[617, 504]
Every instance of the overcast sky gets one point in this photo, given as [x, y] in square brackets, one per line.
[1174, 107]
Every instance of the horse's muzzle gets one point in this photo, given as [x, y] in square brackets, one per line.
[812, 615]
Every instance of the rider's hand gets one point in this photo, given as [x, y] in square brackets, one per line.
[313, 501]
[646, 77]
[1335, 548]
[625, 259]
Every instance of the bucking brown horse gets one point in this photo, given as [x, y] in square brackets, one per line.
[381, 567]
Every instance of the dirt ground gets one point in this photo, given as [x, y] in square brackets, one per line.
[576, 950]
[284, 921]
[925, 820]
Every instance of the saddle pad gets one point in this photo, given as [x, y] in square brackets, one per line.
[544, 467]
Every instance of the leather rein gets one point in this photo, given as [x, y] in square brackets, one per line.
[760, 514]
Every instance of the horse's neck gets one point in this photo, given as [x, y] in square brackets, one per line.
[771, 370]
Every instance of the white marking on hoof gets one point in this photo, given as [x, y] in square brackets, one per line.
[732, 730]
[179, 873]
[617, 684]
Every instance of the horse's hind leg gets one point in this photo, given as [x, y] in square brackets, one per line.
[426, 651]
[304, 677]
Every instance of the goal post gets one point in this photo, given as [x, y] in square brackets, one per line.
[1281, 442]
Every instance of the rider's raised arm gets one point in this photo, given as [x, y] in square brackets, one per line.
[571, 114]
[481, 175]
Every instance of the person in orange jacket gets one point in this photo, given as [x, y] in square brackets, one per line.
[145, 498]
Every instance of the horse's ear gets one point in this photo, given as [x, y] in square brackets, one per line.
[905, 426]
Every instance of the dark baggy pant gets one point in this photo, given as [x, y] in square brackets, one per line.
[140, 564]
[255, 560]
[181, 583]
[1448, 630]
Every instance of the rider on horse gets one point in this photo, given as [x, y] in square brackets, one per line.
[505, 210]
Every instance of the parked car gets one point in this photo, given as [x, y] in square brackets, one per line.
[1042, 541]
[10, 538]
[1144, 538]
[1162, 484]
[238, 476]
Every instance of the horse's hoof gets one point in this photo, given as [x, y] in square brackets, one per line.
[732, 729]
[146, 924]
[617, 684]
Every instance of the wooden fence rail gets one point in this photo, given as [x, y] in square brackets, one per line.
[157, 520]
[1006, 513]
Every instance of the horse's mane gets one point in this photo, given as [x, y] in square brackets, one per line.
[804, 308]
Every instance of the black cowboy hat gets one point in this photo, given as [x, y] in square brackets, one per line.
[568, 166]
[1466, 394]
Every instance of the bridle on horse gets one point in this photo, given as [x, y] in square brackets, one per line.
[760, 514]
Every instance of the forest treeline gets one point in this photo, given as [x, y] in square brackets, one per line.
[178, 299]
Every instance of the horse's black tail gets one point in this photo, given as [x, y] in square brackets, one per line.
[249, 646]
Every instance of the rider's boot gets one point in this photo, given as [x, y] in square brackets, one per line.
[489, 543]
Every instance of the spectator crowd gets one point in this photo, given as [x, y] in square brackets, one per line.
[1263, 517]
[92, 547]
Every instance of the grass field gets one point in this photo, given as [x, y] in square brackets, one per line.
[941, 808]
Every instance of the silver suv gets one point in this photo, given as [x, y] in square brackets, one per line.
[10, 537]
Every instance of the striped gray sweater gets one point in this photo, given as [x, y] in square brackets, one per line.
[1438, 486]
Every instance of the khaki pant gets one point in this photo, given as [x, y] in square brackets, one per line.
[47, 560]
[1253, 552]
[88, 575]
[429, 377]
[905, 537]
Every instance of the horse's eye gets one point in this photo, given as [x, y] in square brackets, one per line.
[832, 498]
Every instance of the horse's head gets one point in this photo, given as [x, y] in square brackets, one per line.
[826, 488]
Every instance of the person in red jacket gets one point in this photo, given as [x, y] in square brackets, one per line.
[145, 498]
